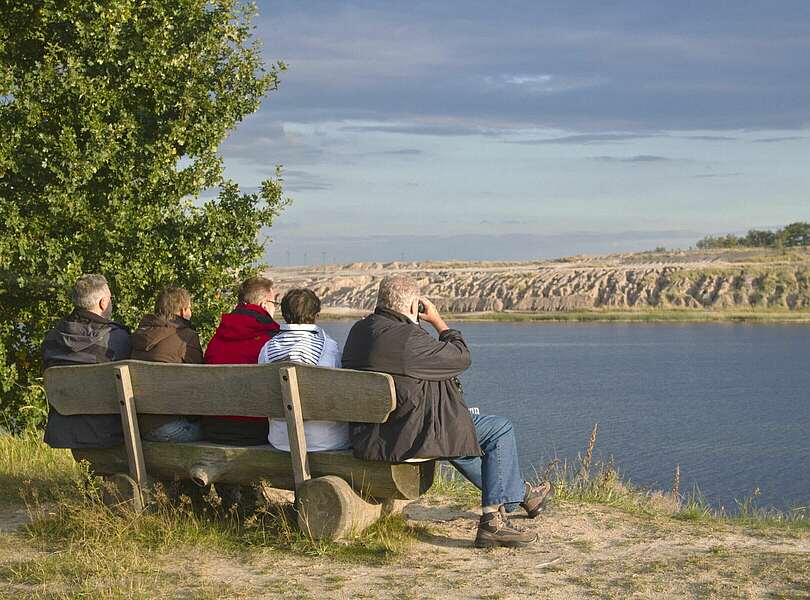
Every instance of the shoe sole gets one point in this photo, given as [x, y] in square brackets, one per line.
[540, 508]
[535, 512]
[503, 544]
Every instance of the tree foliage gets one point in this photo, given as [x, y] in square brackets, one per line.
[111, 113]
[793, 235]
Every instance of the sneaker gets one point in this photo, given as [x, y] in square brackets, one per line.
[534, 501]
[496, 530]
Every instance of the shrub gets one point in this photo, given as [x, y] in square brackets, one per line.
[99, 102]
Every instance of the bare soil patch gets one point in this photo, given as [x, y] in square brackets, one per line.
[583, 551]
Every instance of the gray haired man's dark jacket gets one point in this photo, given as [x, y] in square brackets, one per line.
[431, 419]
[84, 338]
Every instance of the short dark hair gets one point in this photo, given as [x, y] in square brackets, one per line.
[254, 290]
[300, 305]
[171, 301]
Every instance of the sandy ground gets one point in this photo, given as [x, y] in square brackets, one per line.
[583, 551]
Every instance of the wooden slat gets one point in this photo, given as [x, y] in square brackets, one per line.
[295, 425]
[250, 390]
[129, 424]
[245, 465]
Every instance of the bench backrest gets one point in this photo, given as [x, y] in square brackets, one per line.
[248, 390]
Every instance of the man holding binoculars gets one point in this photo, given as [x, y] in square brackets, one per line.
[431, 420]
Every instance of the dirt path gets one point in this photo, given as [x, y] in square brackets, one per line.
[584, 551]
[11, 519]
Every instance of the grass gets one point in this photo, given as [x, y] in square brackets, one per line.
[76, 547]
[27, 463]
[450, 486]
[586, 481]
[79, 518]
[601, 483]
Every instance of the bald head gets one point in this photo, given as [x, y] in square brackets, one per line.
[397, 292]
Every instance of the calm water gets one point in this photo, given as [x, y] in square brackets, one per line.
[729, 403]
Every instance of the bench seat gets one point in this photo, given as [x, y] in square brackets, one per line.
[205, 463]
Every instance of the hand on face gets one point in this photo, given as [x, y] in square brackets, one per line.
[431, 314]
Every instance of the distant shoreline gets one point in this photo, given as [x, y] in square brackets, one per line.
[792, 317]
[719, 286]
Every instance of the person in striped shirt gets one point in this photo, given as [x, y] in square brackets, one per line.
[301, 340]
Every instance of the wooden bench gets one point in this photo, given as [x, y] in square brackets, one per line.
[336, 494]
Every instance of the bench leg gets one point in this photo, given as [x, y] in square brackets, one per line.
[121, 491]
[328, 508]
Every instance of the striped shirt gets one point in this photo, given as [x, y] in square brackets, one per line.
[298, 345]
[309, 345]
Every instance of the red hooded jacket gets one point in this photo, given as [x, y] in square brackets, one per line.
[239, 338]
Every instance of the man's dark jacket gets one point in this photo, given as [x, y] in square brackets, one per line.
[431, 419]
[84, 338]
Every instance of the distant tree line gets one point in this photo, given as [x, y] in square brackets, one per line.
[790, 236]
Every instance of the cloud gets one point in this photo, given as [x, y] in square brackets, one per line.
[710, 138]
[772, 140]
[639, 158]
[417, 128]
[584, 138]
[296, 180]
[399, 152]
[541, 83]
[263, 140]
[642, 66]
[527, 79]
[597, 137]
[713, 175]
[468, 246]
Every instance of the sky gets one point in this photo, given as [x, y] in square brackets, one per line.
[521, 130]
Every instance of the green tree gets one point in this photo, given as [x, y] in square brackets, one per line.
[760, 238]
[99, 102]
[796, 234]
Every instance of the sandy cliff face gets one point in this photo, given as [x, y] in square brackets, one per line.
[717, 281]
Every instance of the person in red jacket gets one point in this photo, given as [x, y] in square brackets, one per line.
[238, 339]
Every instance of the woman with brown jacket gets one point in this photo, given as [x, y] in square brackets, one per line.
[167, 336]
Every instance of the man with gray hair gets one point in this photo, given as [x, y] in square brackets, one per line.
[431, 419]
[86, 336]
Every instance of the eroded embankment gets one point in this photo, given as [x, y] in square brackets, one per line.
[615, 282]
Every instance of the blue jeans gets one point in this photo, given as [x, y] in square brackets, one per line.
[497, 472]
[177, 431]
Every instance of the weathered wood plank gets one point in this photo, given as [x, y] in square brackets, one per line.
[250, 390]
[244, 465]
[295, 425]
[129, 424]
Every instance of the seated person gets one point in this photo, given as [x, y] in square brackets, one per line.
[301, 341]
[238, 340]
[86, 336]
[167, 336]
[431, 419]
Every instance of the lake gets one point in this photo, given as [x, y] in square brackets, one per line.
[729, 403]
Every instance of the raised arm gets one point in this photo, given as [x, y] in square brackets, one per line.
[427, 358]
